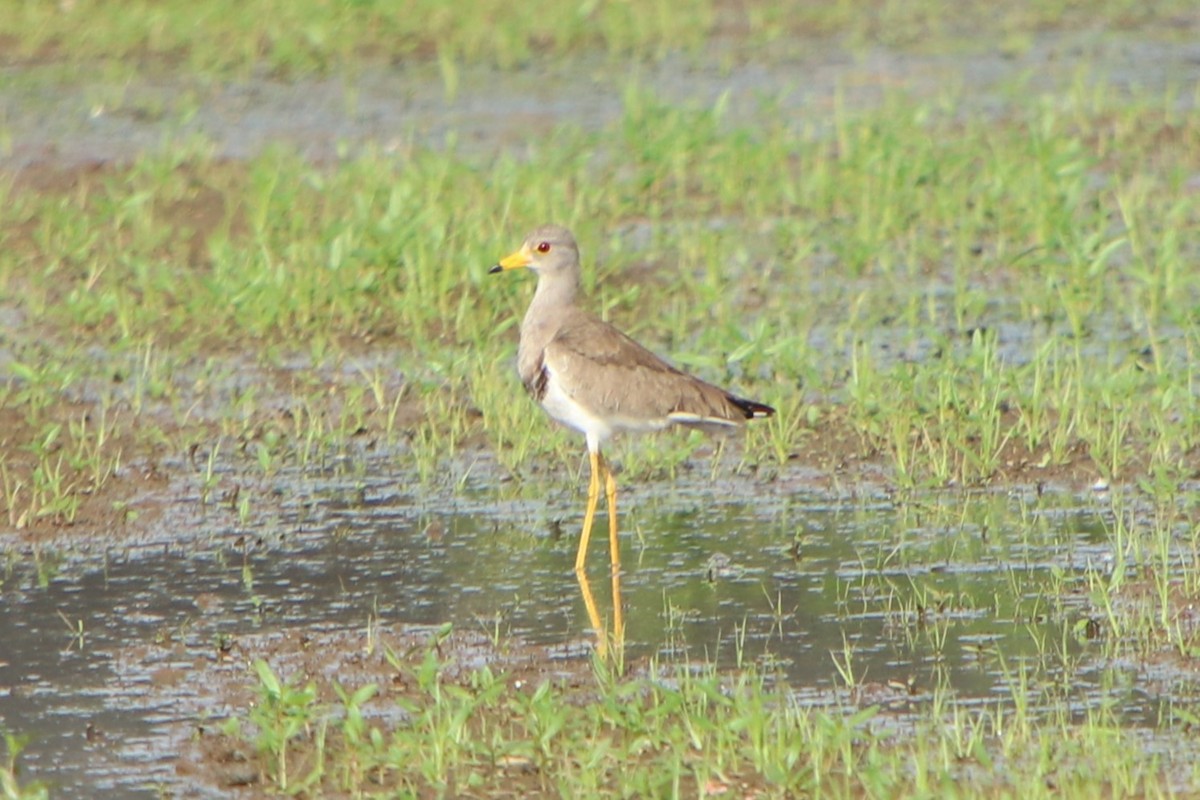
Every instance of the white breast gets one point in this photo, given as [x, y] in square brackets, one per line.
[562, 407]
[566, 409]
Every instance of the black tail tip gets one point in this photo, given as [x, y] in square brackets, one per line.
[750, 408]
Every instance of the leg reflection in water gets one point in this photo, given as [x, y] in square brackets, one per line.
[603, 640]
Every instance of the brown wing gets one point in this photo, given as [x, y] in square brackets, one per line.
[615, 377]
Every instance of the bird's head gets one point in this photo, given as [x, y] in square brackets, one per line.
[549, 249]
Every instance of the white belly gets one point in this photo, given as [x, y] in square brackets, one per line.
[565, 409]
[562, 407]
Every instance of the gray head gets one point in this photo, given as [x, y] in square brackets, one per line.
[550, 251]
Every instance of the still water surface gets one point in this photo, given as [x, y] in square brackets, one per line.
[955, 591]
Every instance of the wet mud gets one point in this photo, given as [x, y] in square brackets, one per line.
[126, 636]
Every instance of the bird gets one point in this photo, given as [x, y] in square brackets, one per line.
[593, 378]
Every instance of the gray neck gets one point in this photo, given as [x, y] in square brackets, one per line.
[555, 290]
[552, 301]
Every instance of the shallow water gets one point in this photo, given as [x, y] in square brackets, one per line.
[88, 119]
[727, 571]
[951, 591]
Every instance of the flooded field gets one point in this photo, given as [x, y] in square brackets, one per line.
[259, 419]
[112, 645]
[490, 112]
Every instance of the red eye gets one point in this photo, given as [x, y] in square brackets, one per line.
[543, 247]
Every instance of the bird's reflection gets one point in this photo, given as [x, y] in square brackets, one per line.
[604, 637]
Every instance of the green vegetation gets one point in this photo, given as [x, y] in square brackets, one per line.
[931, 295]
[11, 787]
[968, 299]
[679, 732]
[311, 36]
[315, 36]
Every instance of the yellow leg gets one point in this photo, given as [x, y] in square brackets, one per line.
[593, 497]
[614, 549]
[589, 602]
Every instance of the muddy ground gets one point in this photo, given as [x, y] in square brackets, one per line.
[194, 672]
